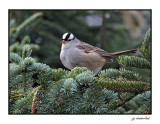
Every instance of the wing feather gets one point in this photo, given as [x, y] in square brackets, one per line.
[89, 48]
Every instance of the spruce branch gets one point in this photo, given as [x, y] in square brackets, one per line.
[16, 94]
[74, 72]
[112, 105]
[134, 61]
[26, 51]
[58, 74]
[24, 105]
[94, 100]
[24, 82]
[69, 87]
[124, 86]
[129, 75]
[145, 49]
[14, 47]
[14, 69]
[141, 103]
[17, 47]
[121, 74]
[15, 58]
[109, 73]
[145, 108]
[16, 82]
[125, 96]
[28, 61]
[85, 78]
[26, 40]
[34, 46]
[24, 24]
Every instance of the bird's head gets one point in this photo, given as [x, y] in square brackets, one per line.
[67, 37]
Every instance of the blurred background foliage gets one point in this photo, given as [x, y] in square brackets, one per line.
[112, 30]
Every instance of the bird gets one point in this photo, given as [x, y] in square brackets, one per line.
[75, 53]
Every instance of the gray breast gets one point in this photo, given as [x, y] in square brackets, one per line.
[63, 58]
[70, 58]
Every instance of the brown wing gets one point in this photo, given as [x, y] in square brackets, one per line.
[89, 48]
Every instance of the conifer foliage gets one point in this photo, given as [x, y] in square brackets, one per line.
[78, 91]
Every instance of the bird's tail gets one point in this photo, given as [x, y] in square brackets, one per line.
[115, 54]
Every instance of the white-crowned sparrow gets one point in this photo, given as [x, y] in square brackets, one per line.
[75, 53]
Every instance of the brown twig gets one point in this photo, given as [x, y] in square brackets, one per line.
[34, 107]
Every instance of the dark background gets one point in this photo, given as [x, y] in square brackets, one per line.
[111, 30]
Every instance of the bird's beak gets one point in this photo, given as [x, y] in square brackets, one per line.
[64, 42]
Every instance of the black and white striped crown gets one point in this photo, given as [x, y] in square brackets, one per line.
[68, 37]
